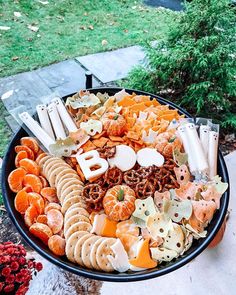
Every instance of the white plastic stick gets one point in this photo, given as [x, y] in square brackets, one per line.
[36, 129]
[191, 158]
[204, 138]
[56, 121]
[44, 119]
[196, 148]
[212, 153]
[65, 117]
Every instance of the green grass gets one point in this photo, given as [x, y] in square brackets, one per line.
[64, 29]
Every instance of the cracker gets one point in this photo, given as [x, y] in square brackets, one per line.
[77, 205]
[48, 162]
[67, 177]
[103, 250]
[78, 226]
[54, 174]
[78, 249]
[54, 166]
[72, 188]
[93, 252]
[68, 203]
[74, 211]
[67, 182]
[76, 193]
[64, 172]
[74, 219]
[71, 242]
[42, 162]
[86, 250]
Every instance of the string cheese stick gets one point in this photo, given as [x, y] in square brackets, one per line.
[44, 119]
[65, 117]
[191, 159]
[56, 121]
[36, 129]
[212, 153]
[204, 138]
[196, 148]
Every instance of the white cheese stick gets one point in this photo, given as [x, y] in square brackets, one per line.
[212, 153]
[56, 121]
[36, 129]
[204, 137]
[65, 117]
[44, 119]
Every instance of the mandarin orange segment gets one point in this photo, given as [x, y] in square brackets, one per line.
[32, 181]
[50, 194]
[51, 206]
[37, 201]
[30, 153]
[39, 157]
[43, 181]
[55, 220]
[30, 166]
[15, 179]
[41, 231]
[31, 143]
[19, 156]
[42, 219]
[127, 227]
[31, 215]
[21, 201]
[57, 245]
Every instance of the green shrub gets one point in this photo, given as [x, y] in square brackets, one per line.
[196, 64]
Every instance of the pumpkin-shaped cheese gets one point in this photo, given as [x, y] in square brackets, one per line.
[166, 143]
[118, 202]
[114, 124]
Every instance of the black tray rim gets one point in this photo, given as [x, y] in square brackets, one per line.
[117, 277]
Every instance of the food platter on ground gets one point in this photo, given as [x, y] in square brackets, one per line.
[142, 209]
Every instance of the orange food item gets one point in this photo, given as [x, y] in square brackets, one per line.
[21, 201]
[31, 215]
[114, 124]
[31, 143]
[19, 156]
[32, 181]
[55, 220]
[37, 201]
[100, 142]
[166, 143]
[40, 157]
[80, 173]
[126, 102]
[136, 108]
[143, 258]
[57, 245]
[42, 219]
[128, 241]
[118, 202]
[88, 146]
[51, 206]
[127, 227]
[50, 193]
[30, 153]
[41, 231]
[15, 179]
[30, 166]
[43, 181]
[109, 228]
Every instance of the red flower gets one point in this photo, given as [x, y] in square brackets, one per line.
[30, 264]
[9, 288]
[10, 279]
[24, 272]
[22, 290]
[7, 243]
[14, 266]
[39, 266]
[19, 278]
[22, 260]
[1, 286]
[6, 271]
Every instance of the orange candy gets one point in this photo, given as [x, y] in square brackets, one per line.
[19, 156]
[57, 245]
[30, 153]
[31, 143]
[31, 215]
[15, 179]
[32, 181]
[50, 194]
[51, 206]
[55, 220]
[37, 201]
[41, 231]
[30, 166]
[42, 219]
[21, 201]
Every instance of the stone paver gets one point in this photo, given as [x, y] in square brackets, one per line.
[113, 65]
[211, 273]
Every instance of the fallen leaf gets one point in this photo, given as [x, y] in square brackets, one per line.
[14, 58]
[3, 28]
[104, 42]
[91, 27]
[33, 28]
[17, 14]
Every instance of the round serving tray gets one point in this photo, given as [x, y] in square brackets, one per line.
[197, 247]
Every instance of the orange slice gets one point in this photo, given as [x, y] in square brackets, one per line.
[19, 156]
[57, 245]
[30, 153]
[42, 219]
[15, 179]
[30, 216]
[37, 201]
[41, 231]
[50, 194]
[21, 201]
[31, 143]
[32, 181]
[30, 166]
[55, 220]
[51, 206]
